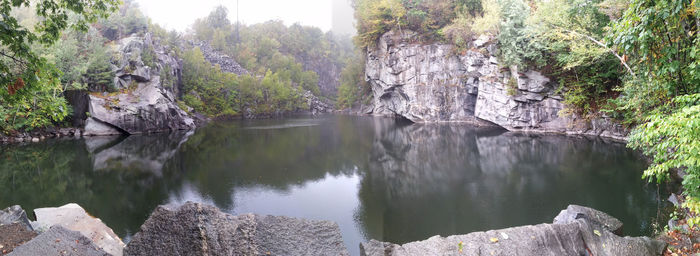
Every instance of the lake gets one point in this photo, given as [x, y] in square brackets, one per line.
[377, 178]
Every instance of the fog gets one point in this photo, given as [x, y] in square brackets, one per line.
[335, 15]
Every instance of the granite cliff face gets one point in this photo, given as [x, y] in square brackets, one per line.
[432, 83]
[147, 82]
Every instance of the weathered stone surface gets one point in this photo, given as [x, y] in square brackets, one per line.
[580, 236]
[214, 57]
[574, 212]
[147, 100]
[14, 235]
[194, 229]
[430, 83]
[94, 127]
[15, 214]
[73, 217]
[423, 83]
[59, 241]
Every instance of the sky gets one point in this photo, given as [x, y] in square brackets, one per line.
[327, 15]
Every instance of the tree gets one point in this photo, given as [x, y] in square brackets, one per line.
[17, 60]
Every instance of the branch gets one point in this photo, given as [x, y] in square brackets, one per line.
[602, 45]
[13, 58]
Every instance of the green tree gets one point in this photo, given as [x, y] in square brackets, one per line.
[18, 60]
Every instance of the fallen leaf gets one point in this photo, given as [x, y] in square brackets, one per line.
[596, 232]
[494, 240]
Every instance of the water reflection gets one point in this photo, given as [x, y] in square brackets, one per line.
[376, 178]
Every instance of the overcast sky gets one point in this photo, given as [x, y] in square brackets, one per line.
[324, 14]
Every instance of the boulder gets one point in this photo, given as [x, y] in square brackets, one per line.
[574, 212]
[15, 214]
[73, 217]
[148, 108]
[59, 241]
[582, 235]
[194, 229]
[94, 127]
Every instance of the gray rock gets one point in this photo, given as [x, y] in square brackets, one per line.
[94, 127]
[214, 57]
[142, 74]
[73, 217]
[194, 229]
[15, 214]
[147, 103]
[574, 212]
[429, 83]
[423, 83]
[59, 241]
[576, 237]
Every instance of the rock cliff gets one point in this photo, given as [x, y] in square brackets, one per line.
[143, 99]
[433, 83]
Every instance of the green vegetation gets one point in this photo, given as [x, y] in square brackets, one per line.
[219, 94]
[31, 85]
[292, 52]
[281, 60]
[352, 83]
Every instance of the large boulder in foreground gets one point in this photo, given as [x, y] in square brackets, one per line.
[576, 231]
[59, 241]
[197, 229]
[74, 218]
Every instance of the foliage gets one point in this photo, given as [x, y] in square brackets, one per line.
[661, 42]
[672, 139]
[489, 21]
[126, 21]
[30, 88]
[17, 59]
[515, 44]
[352, 83]
[216, 93]
[34, 106]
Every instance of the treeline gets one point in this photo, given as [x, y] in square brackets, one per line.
[635, 60]
[274, 54]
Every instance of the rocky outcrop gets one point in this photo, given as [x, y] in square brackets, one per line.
[433, 83]
[214, 57]
[73, 217]
[147, 83]
[316, 105]
[576, 231]
[194, 229]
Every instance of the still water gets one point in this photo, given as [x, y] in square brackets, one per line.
[378, 179]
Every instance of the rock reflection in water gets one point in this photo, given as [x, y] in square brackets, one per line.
[135, 153]
[435, 179]
[377, 178]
